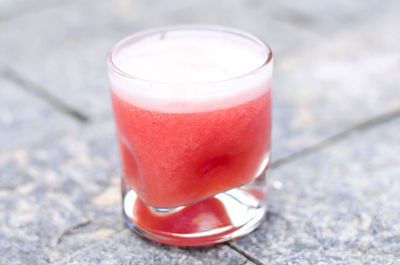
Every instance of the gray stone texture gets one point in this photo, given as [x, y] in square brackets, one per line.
[70, 52]
[74, 46]
[25, 117]
[310, 41]
[60, 202]
[59, 196]
[336, 206]
[10, 9]
[127, 248]
[336, 83]
[337, 65]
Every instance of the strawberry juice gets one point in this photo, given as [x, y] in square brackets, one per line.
[192, 109]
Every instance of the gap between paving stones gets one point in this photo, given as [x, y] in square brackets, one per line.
[358, 128]
[41, 92]
[244, 254]
[71, 230]
[87, 246]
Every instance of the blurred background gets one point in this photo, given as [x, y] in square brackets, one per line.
[336, 62]
[336, 72]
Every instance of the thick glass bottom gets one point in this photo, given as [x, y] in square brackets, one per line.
[217, 219]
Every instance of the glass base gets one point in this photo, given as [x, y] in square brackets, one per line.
[217, 219]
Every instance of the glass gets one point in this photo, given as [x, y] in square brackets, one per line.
[192, 107]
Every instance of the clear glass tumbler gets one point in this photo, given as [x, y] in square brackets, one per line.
[192, 107]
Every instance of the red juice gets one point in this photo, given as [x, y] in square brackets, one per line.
[192, 107]
[172, 159]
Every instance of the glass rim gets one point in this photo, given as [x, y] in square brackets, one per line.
[203, 27]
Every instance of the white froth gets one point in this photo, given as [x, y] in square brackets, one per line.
[187, 60]
[183, 67]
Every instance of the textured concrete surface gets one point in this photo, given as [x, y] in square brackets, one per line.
[341, 81]
[334, 196]
[50, 192]
[336, 206]
[64, 208]
[126, 248]
[75, 46]
[25, 117]
[337, 37]
[13, 8]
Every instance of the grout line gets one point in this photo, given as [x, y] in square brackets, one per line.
[295, 18]
[71, 230]
[41, 92]
[71, 255]
[360, 127]
[244, 254]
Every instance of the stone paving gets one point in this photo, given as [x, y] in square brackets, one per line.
[334, 197]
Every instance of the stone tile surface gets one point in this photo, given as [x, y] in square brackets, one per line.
[71, 54]
[337, 64]
[325, 17]
[25, 118]
[241, 14]
[126, 248]
[336, 83]
[51, 191]
[311, 103]
[10, 9]
[73, 49]
[336, 206]
[60, 203]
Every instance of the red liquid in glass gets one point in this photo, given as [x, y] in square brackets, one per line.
[173, 159]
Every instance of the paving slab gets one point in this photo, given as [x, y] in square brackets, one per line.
[10, 9]
[50, 192]
[337, 66]
[311, 102]
[60, 201]
[72, 46]
[256, 17]
[336, 83]
[326, 17]
[126, 248]
[336, 206]
[26, 118]
[72, 69]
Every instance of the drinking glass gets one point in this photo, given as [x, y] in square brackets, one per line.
[192, 108]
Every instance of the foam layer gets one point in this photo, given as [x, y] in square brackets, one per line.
[183, 65]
